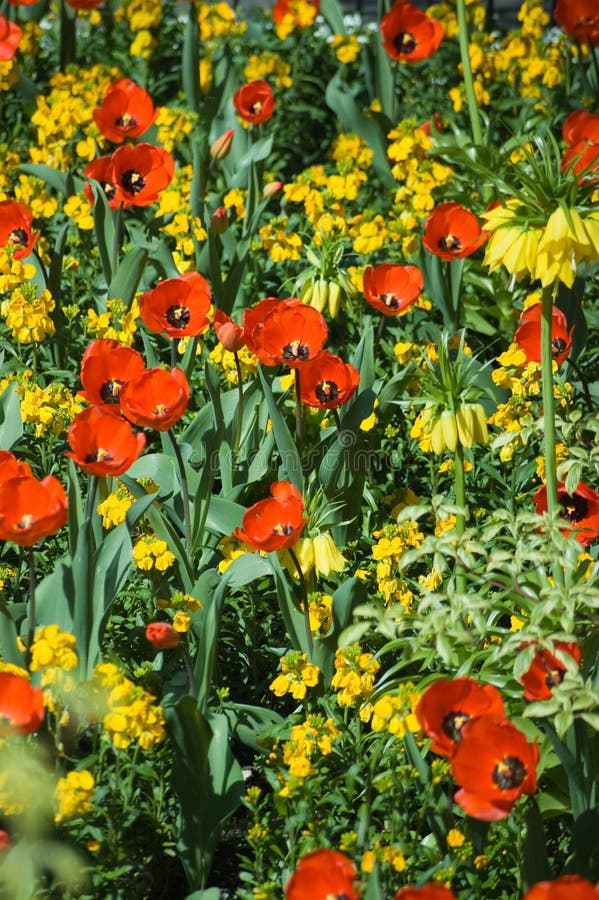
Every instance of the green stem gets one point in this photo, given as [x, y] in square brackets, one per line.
[298, 411]
[460, 500]
[68, 35]
[184, 491]
[174, 359]
[473, 111]
[239, 411]
[118, 221]
[31, 601]
[548, 401]
[191, 684]
[305, 604]
[91, 497]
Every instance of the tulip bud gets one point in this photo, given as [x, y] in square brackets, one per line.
[271, 189]
[231, 335]
[221, 147]
[162, 635]
[219, 221]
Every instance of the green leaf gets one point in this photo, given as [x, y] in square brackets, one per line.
[103, 229]
[11, 423]
[126, 279]
[291, 464]
[60, 181]
[333, 15]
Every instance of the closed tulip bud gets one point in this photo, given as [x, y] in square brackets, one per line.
[271, 189]
[221, 147]
[219, 221]
[162, 635]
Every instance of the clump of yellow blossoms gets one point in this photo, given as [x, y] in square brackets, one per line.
[114, 508]
[393, 541]
[27, 313]
[131, 714]
[395, 712]
[218, 20]
[320, 608]
[383, 854]
[74, 794]
[270, 66]
[346, 47]
[297, 674]
[225, 361]
[308, 740]
[53, 647]
[50, 409]
[279, 243]
[354, 676]
[151, 552]
[118, 323]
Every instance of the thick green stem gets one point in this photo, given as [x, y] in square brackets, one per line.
[305, 604]
[184, 491]
[473, 111]
[548, 401]
[31, 601]
[238, 424]
[298, 411]
[460, 500]
[118, 224]
[91, 497]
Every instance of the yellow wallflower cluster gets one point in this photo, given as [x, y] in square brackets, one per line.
[114, 508]
[27, 313]
[117, 323]
[297, 674]
[53, 647]
[395, 712]
[346, 47]
[383, 855]
[308, 740]
[78, 208]
[131, 712]
[141, 16]
[225, 361]
[63, 115]
[33, 193]
[392, 542]
[151, 552]
[218, 20]
[51, 409]
[303, 15]
[235, 199]
[354, 676]
[320, 608]
[13, 272]
[73, 795]
[271, 67]
[174, 124]
[184, 603]
[279, 243]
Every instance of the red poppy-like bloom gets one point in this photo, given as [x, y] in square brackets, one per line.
[31, 509]
[10, 38]
[583, 160]
[289, 334]
[568, 887]
[127, 111]
[528, 334]
[179, 306]
[327, 382]
[581, 125]
[85, 4]
[255, 102]
[494, 765]
[391, 288]
[283, 8]
[448, 703]
[103, 444]
[140, 173]
[276, 523]
[15, 228]
[106, 368]
[21, 705]
[452, 232]
[156, 399]
[579, 19]
[547, 670]
[580, 510]
[322, 875]
[100, 170]
[231, 335]
[426, 892]
[409, 34]
[11, 467]
[254, 317]
[162, 635]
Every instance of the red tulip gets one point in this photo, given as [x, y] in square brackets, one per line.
[547, 670]
[392, 289]
[11, 467]
[30, 509]
[581, 125]
[15, 228]
[327, 382]
[162, 635]
[528, 334]
[568, 887]
[448, 703]
[10, 38]
[452, 232]
[580, 510]
[283, 8]
[105, 369]
[322, 875]
[254, 318]
[409, 34]
[495, 765]
[579, 19]
[156, 399]
[276, 523]
[178, 306]
[103, 444]
[140, 173]
[231, 335]
[21, 705]
[426, 892]
[289, 334]
[255, 102]
[127, 111]
[100, 170]
[583, 160]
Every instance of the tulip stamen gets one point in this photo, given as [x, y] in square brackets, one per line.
[178, 316]
[509, 773]
[133, 181]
